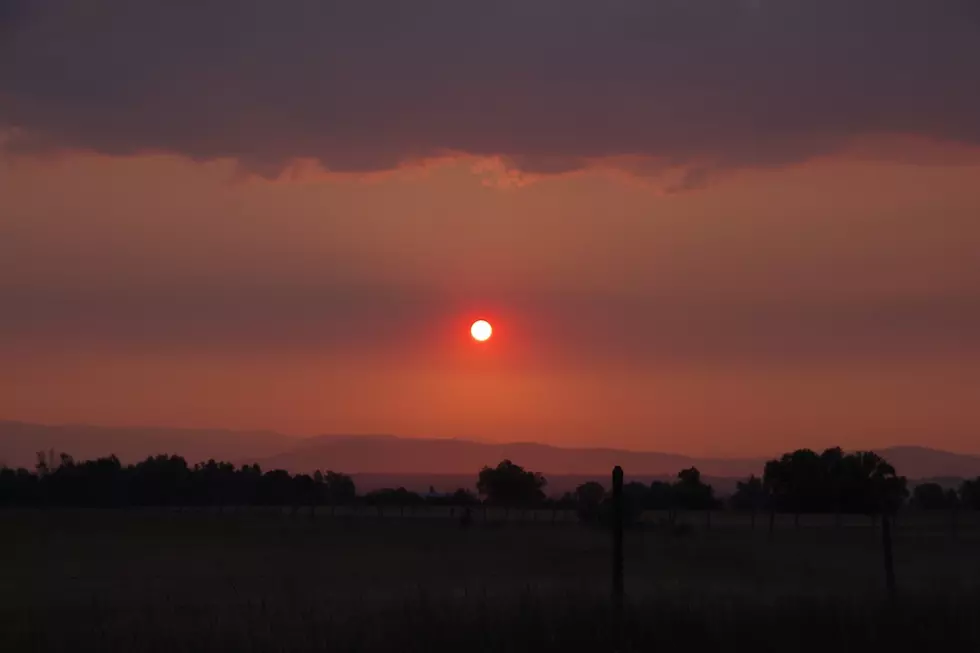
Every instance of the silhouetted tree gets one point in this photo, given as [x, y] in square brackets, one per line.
[276, 488]
[861, 482]
[18, 487]
[463, 497]
[160, 481]
[833, 462]
[247, 484]
[588, 500]
[970, 494]
[636, 496]
[566, 501]
[213, 483]
[808, 488]
[776, 481]
[60, 480]
[801, 481]
[305, 491]
[749, 496]
[340, 488]
[97, 483]
[886, 491]
[660, 496]
[953, 499]
[508, 485]
[930, 496]
[690, 493]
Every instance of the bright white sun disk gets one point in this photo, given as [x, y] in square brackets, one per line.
[481, 330]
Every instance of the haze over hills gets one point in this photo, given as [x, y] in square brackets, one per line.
[20, 442]
[416, 463]
[385, 461]
[392, 455]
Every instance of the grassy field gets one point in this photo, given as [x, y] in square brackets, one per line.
[159, 580]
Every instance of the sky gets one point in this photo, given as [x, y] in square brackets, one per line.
[711, 227]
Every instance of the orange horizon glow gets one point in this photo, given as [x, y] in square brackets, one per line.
[728, 320]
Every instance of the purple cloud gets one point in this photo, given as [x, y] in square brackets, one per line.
[548, 85]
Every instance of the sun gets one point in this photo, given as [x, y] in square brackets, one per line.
[481, 330]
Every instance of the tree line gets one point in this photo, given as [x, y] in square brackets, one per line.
[802, 481]
[165, 481]
[844, 483]
[932, 496]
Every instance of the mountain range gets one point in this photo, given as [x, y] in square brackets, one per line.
[416, 463]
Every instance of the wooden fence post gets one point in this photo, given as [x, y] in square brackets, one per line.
[617, 536]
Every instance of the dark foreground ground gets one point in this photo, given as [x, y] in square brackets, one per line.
[161, 581]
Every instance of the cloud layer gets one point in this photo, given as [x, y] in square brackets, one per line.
[548, 85]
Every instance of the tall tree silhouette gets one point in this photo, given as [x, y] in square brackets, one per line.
[660, 496]
[588, 500]
[860, 482]
[690, 493]
[885, 489]
[970, 494]
[508, 484]
[930, 496]
[749, 496]
[340, 489]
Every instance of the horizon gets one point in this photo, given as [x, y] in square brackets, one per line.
[301, 437]
[419, 462]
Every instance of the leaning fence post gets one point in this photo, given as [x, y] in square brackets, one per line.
[886, 541]
[617, 535]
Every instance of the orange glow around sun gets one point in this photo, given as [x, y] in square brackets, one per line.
[481, 330]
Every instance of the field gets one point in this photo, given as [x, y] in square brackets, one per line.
[254, 580]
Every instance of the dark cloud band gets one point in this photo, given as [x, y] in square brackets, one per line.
[700, 85]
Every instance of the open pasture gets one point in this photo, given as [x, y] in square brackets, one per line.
[271, 580]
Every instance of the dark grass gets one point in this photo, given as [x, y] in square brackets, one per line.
[143, 580]
[525, 622]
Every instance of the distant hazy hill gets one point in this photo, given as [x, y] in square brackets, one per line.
[922, 462]
[391, 455]
[383, 460]
[20, 442]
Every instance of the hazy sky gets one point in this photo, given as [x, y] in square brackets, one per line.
[709, 226]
